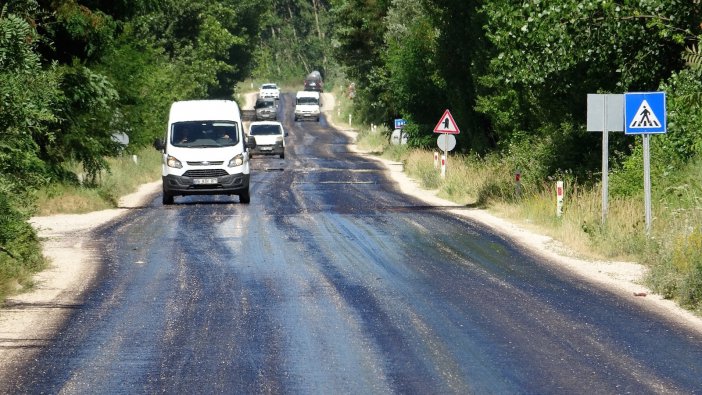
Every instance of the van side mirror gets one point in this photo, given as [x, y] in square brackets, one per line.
[159, 144]
[250, 142]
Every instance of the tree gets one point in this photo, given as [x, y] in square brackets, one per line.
[27, 96]
[549, 55]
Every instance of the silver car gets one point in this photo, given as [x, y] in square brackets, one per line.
[266, 110]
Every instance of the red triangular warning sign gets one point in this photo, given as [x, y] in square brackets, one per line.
[446, 124]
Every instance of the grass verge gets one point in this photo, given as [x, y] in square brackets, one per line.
[125, 175]
[22, 257]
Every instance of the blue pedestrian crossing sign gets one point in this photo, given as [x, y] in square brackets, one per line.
[644, 113]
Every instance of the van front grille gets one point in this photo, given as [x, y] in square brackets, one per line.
[217, 163]
[209, 173]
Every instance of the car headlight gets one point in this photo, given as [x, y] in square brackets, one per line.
[236, 161]
[172, 161]
[279, 139]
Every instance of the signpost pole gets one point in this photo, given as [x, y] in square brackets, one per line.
[605, 163]
[446, 151]
[446, 127]
[647, 181]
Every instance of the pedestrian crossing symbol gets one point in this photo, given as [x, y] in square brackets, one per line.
[644, 118]
[645, 113]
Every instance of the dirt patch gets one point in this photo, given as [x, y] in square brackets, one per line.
[29, 320]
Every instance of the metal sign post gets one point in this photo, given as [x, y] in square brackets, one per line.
[446, 141]
[645, 114]
[605, 113]
[647, 181]
[445, 161]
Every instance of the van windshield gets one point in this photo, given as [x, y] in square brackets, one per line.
[203, 134]
[307, 100]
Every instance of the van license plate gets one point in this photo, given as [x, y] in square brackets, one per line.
[201, 181]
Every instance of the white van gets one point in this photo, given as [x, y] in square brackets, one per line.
[205, 151]
[270, 138]
[307, 105]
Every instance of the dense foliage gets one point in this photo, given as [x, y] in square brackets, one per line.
[294, 39]
[516, 75]
[73, 74]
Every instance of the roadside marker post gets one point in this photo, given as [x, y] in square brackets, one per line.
[443, 166]
[518, 184]
[559, 198]
[436, 160]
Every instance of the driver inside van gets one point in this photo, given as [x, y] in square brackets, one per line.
[181, 135]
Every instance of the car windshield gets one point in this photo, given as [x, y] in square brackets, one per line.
[306, 100]
[264, 130]
[265, 104]
[270, 86]
[202, 134]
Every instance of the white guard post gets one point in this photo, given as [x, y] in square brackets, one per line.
[443, 166]
[559, 198]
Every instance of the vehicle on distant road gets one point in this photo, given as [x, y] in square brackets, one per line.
[266, 109]
[205, 151]
[313, 82]
[269, 90]
[307, 105]
[270, 138]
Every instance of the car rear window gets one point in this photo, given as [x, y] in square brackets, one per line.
[265, 104]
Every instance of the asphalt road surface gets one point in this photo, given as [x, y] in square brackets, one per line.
[333, 282]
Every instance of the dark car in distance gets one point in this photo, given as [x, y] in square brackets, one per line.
[313, 82]
[266, 109]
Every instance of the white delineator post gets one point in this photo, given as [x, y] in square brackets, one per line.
[559, 198]
[518, 183]
[443, 166]
[436, 160]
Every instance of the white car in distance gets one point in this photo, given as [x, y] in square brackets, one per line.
[269, 137]
[269, 90]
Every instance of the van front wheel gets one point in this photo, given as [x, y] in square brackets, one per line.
[244, 197]
[167, 198]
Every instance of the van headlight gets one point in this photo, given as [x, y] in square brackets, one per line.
[236, 161]
[172, 161]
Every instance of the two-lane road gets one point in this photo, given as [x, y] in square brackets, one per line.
[332, 281]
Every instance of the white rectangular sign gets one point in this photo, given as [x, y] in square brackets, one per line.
[605, 112]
